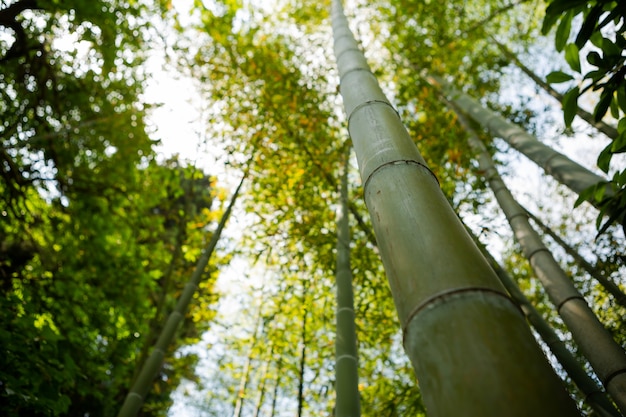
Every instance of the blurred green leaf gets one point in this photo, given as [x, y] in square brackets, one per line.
[557, 77]
[563, 31]
[572, 56]
[570, 105]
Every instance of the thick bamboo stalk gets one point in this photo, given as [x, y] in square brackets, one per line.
[560, 167]
[594, 395]
[346, 361]
[469, 344]
[611, 287]
[605, 356]
[150, 369]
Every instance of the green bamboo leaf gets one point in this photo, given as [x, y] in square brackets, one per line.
[604, 159]
[596, 39]
[572, 56]
[603, 105]
[562, 31]
[621, 97]
[594, 58]
[610, 49]
[589, 25]
[599, 193]
[559, 6]
[595, 75]
[548, 21]
[557, 77]
[585, 195]
[570, 104]
[619, 144]
[614, 107]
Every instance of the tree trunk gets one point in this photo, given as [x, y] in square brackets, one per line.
[152, 365]
[346, 362]
[593, 393]
[605, 356]
[609, 286]
[608, 130]
[469, 344]
[559, 166]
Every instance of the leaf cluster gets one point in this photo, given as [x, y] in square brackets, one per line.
[601, 34]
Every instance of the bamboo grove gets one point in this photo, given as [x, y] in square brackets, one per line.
[430, 220]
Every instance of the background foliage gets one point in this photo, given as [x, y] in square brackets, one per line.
[99, 232]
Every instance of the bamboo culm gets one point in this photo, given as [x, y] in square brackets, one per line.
[135, 397]
[594, 395]
[567, 172]
[611, 287]
[346, 362]
[605, 356]
[468, 342]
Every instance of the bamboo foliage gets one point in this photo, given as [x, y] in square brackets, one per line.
[469, 345]
[603, 127]
[150, 368]
[605, 356]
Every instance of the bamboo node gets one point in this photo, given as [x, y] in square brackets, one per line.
[442, 296]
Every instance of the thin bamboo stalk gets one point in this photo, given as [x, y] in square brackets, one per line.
[560, 167]
[150, 369]
[609, 286]
[346, 360]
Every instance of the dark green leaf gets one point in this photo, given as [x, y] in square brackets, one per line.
[557, 77]
[570, 104]
[548, 21]
[619, 144]
[588, 26]
[572, 57]
[603, 105]
[610, 49]
[612, 15]
[585, 195]
[614, 216]
[562, 31]
[614, 107]
[594, 58]
[604, 159]
[559, 6]
[600, 190]
[596, 39]
[595, 75]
